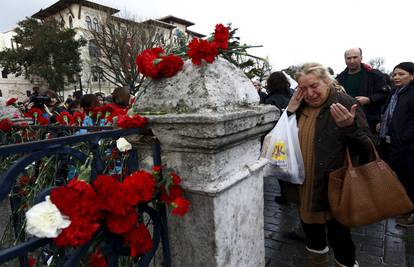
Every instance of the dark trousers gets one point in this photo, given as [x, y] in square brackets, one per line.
[339, 239]
[406, 178]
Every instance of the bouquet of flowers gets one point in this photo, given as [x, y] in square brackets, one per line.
[156, 64]
[79, 212]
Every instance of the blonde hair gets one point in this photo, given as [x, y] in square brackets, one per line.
[321, 72]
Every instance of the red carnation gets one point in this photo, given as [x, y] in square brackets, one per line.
[32, 261]
[78, 233]
[156, 168]
[97, 259]
[119, 224]
[139, 240]
[170, 65]
[78, 117]
[125, 121]
[34, 113]
[175, 178]
[25, 180]
[65, 118]
[6, 125]
[221, 36]
[199, 49]
[42, 121]
[112, 194]
[175, 191]
[140, 186]
[148, 60]
[180, 206]
[11, 101]
[77, 200]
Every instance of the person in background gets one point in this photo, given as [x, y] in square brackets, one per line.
[121, 97]
[366, 84]
[69, 98]
[278, 90]
[397, 132]
[100, 97]
[74, 106]
[278, 94]
[260, 90]
[328, 122]
[88, 102]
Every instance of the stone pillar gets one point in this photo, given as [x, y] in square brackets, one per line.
[211, 137]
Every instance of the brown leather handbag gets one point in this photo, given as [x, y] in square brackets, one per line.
[366, 194]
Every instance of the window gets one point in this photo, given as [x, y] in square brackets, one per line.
[96, 74]
[94, 51]
[4, 73]
[159, 38]
[95, 24]
[70, 22]
[88, 22]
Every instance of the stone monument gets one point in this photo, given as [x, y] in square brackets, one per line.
[210, 135]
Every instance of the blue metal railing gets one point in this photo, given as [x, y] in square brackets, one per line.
[33, 151]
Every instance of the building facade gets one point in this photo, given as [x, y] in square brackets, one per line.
[85, 17]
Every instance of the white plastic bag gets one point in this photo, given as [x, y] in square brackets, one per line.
[282, 149]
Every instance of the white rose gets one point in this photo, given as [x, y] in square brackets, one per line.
[123, 145]
[45, 220]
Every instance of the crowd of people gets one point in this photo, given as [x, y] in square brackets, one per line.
[44, 107]
[359, 107]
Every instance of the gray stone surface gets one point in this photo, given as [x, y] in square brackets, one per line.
[211, 137]
[196, 89]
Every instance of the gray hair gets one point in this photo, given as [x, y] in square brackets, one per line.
[321, 72]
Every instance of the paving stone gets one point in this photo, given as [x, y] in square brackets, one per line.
[378, 245]
[369, 241]
[373, 250]
[394, 251]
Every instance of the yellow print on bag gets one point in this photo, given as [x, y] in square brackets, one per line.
[279, 151]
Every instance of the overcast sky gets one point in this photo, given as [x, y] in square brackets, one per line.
[291, 31]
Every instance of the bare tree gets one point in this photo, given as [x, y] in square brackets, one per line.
[115, 44]
[377, 63]
[292, 70]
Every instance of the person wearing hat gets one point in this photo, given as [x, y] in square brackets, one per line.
[397, 132]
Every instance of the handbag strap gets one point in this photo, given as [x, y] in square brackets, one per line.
[377, 159]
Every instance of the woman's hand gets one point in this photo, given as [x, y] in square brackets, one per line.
[342, 116]
[295, 101]
[378, 127]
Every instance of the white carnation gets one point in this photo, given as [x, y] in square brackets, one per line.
[123, 145]
[45, 220]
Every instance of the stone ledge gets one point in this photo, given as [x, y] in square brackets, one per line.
[211, 132]
[220, 185]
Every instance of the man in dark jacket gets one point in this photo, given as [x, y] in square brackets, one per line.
[366, 84]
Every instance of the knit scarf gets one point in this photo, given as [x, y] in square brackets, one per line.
[387, 117]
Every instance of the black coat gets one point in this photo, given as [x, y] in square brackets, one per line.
[330, 144]
[401, 132]
[374, 86]
[280, 100]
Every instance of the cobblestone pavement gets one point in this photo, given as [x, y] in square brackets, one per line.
[381, 244]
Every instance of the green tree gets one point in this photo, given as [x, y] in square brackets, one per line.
[43, 49]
